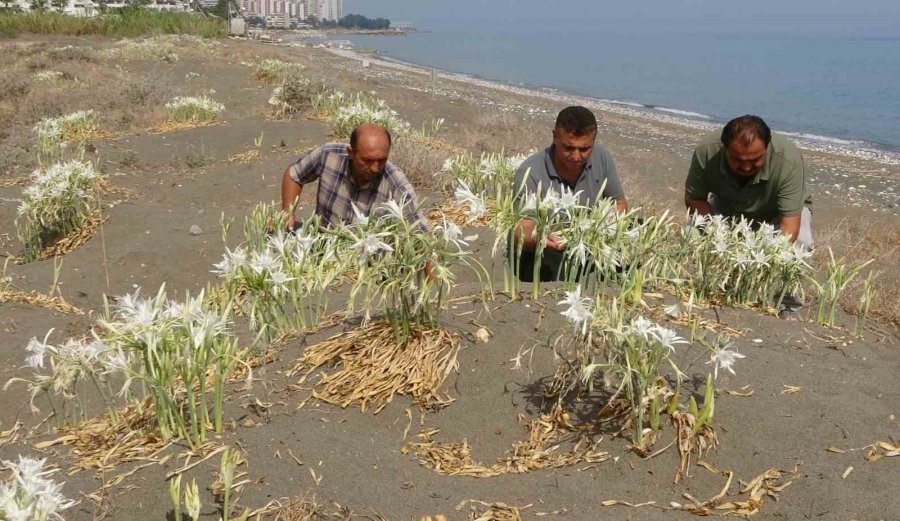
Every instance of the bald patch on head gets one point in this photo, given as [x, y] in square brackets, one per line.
[370, 135]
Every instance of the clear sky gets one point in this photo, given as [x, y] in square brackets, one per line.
[859, 18]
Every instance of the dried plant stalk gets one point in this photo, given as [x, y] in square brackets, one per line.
[537, 452]
[371, 367]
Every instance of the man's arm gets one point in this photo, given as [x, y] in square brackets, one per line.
[696, 189]
[790, 226]
[790, 197]
[290, 192]
[698, 206]
[305, 170]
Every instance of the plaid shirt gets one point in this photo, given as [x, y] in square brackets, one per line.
[330, 164]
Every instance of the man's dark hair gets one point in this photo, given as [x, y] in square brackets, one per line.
[577, 120]
[354, 136]
[746, 128]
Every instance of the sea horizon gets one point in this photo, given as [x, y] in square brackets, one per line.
[875, 127]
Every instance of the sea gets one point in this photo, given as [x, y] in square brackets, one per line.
[838, 90]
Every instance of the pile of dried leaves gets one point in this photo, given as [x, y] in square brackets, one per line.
[370, 367]
[535, 453]
[102, 444]
[8, 294]
[883, 449]
[753, 494]
[458, 215]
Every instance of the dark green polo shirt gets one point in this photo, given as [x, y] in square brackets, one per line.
[778, 190]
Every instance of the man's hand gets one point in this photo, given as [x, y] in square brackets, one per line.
[290, 192]
[554, 242]
[698, 206]
[790, 226]
[429, 272]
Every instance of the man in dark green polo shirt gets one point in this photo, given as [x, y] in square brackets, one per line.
[575, 162]
[748, 171]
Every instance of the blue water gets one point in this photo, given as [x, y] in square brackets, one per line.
[846, 88]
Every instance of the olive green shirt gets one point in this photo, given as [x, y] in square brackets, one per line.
[777, 190]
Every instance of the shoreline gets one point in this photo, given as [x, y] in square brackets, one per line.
[854, 149]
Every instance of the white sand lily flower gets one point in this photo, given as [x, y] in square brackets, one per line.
[371, 244]
[669, 338]
[360, 218]
[476, 204]
[279, 280]
[37, 349]
[30, 494]
[568, 200]
[264, 261]
[724, 358]
[451, 233]
[578, 313]
[673, 311]
[394, 209]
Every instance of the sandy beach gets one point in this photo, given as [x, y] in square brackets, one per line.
[807, 400]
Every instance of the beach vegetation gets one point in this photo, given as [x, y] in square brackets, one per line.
[275, 71]
[838, 277]
[295, 95]
[57, 203]
[129, 22]
[30, 494]
[52, 132]
[194, 109]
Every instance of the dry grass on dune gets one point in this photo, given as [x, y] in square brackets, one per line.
[501, 131]
[856, 243]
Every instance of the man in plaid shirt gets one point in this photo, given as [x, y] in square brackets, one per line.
[356, 175]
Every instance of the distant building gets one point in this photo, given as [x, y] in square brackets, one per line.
[294, 10]
[332, 10]
[403, 26]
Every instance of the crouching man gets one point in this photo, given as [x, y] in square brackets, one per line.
[358, 174]
[749, 171]
[576, 162]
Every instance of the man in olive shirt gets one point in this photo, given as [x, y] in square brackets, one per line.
[747, 171]
[574, 162]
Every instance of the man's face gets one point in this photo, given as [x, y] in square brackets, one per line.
[367, 160]
[572, 151]
[746, 159]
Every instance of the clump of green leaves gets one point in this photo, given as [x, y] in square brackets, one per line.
[175, 350]
[274, 71]
[739, 264]
[838, 276]
[293, 96]
[52, 133]
[194, 109]
[57, 203]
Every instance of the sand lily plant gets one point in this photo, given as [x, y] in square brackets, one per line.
[31, 494]
[733, 261]
[278, 279]
[274, 71]
[180, 353]
[57, 203]
[402, 268]
[364, 108]
[838, 276]
[636, 352]
[194, 109]
[52, 133]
